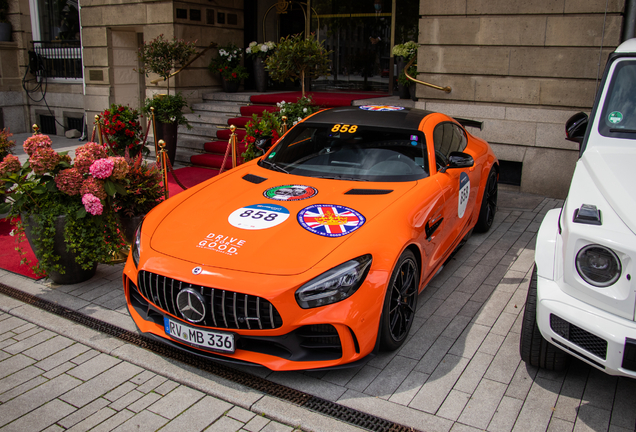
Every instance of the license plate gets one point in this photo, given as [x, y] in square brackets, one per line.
[206, 339]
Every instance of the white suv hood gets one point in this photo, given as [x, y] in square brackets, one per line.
[612, 169]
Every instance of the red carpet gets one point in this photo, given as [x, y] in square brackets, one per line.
[330, 99]
[9, 257]
[189, 176]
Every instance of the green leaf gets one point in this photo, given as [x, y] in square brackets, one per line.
[121, 189]
[109, 186]
[81, 212]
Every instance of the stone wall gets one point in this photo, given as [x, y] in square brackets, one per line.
[521, 67]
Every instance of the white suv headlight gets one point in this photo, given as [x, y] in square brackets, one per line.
[598, 265]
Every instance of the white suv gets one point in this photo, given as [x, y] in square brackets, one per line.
[581, 299]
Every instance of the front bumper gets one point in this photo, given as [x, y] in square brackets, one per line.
[325, 337]
[599, 338]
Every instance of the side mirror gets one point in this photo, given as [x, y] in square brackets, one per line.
[458, 160]
[575, 127]
[263, 144]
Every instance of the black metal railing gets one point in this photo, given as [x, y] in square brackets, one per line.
[56, 59]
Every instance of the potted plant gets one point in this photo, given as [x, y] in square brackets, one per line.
[5, 25]
[403, 54]
[259, 53]
[144, 190]
[168, 112]
[122, 130]
[161, 56]
[296, 111]
[298, 57]
[228, 65]
[65, 207]
[6, 144]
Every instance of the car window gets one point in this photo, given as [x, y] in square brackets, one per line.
[350, 152]
[619, 111]
[447, 138]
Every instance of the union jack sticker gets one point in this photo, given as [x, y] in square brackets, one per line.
[381, 108]
[329, 220]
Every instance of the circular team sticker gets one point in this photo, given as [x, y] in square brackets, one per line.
[464, 193]
[330, 220]
[290, 192]
[615, 117]
[381, 108]
[258, 216]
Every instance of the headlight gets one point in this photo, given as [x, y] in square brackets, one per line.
[334, 285]
[136, 246]
[598, 265]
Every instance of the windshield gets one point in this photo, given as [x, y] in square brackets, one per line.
[619, 111]
[350, 152]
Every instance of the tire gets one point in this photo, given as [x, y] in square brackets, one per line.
[400, 303]
[534, 349]
[488, 207]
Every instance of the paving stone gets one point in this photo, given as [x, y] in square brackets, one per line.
[599, 390]
[85, 356]
[277, 427]
[391, 377]
[425, 337]
[504, 323]
[256, 424]
[203, 413]
[144, 402]
[101, 384]
[538, 407]
[175, 402]
[453, 405]
[409, 388]
[126, 400]
[166, 387]
[29, 342]
[20, 334]
[151, 384]
[558, 425]
[35, 398]
[63, 356]
[623, 414]
[470, 340]
[505, 363]
[143, 421]
[474, 372]
[120, 391]
[569, 399]
[101, 418]
[240, 414]
[591, 418]
[41, 417]
[83, 413]
[506, 415]
[142, 377]
[12, 323]
[438, 386]
[49, 347]
[482, 405]
[20, 389]
[434, 355]
[225, 424]
[19, 377]
[521, 381]
[94, 367]
[64, 367]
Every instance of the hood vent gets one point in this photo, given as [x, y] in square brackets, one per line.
[254, 178]
[368, 192]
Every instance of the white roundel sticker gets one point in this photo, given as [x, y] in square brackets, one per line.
[464, 192]
[258, 216]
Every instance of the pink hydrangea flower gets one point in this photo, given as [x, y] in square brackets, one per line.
[44, 160]
[92, 204]
[69, 181]
[120, 167]
[87, 154]
[94, 187]
[35, 142]
[102, 168]
[10, 164]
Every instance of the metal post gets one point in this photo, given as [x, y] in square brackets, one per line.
[233, 144]
[164, 168]
[284, 118]
[154, 132]
[99, 130]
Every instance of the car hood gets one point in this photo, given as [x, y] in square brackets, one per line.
[220, 225]
[611, 170]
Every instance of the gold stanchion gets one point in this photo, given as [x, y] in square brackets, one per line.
[36, 129]
[154, 132]
[284, 126]
[163, 156]
[99, 130]
[234, 146]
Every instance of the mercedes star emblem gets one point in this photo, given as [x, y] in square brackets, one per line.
[191, 305]
[197, 270]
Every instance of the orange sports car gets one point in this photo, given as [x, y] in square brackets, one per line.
[313, 255]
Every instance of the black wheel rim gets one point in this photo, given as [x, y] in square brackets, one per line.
[403, 297]
[491, 199]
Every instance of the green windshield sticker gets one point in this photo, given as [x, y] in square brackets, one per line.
[615, 117]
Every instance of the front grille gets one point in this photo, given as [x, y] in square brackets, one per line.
[224, 309]
[629, 357]
[578, 336]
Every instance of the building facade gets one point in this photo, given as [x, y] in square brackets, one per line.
[522, 67]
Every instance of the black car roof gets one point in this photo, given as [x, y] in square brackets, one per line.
[407, 118]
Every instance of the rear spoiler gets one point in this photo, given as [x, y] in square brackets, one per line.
[470, 123]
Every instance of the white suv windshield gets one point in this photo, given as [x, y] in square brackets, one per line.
[618, 117]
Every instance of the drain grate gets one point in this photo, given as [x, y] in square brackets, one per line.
[319, 405]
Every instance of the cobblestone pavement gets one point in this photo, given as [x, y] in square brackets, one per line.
[460, 370]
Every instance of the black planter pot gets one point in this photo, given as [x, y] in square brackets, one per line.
[168, 133]
[260, 75]
[403, 90]
[73, 272]
[230, 86]
[412, 89]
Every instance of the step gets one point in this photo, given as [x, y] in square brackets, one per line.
[248, 110]
[211, 160]
[204, 117]
[220, 147]
[229, 108]
[224, 134]
[241, 97]
[239, 122]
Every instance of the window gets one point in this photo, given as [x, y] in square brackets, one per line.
[448, 138]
